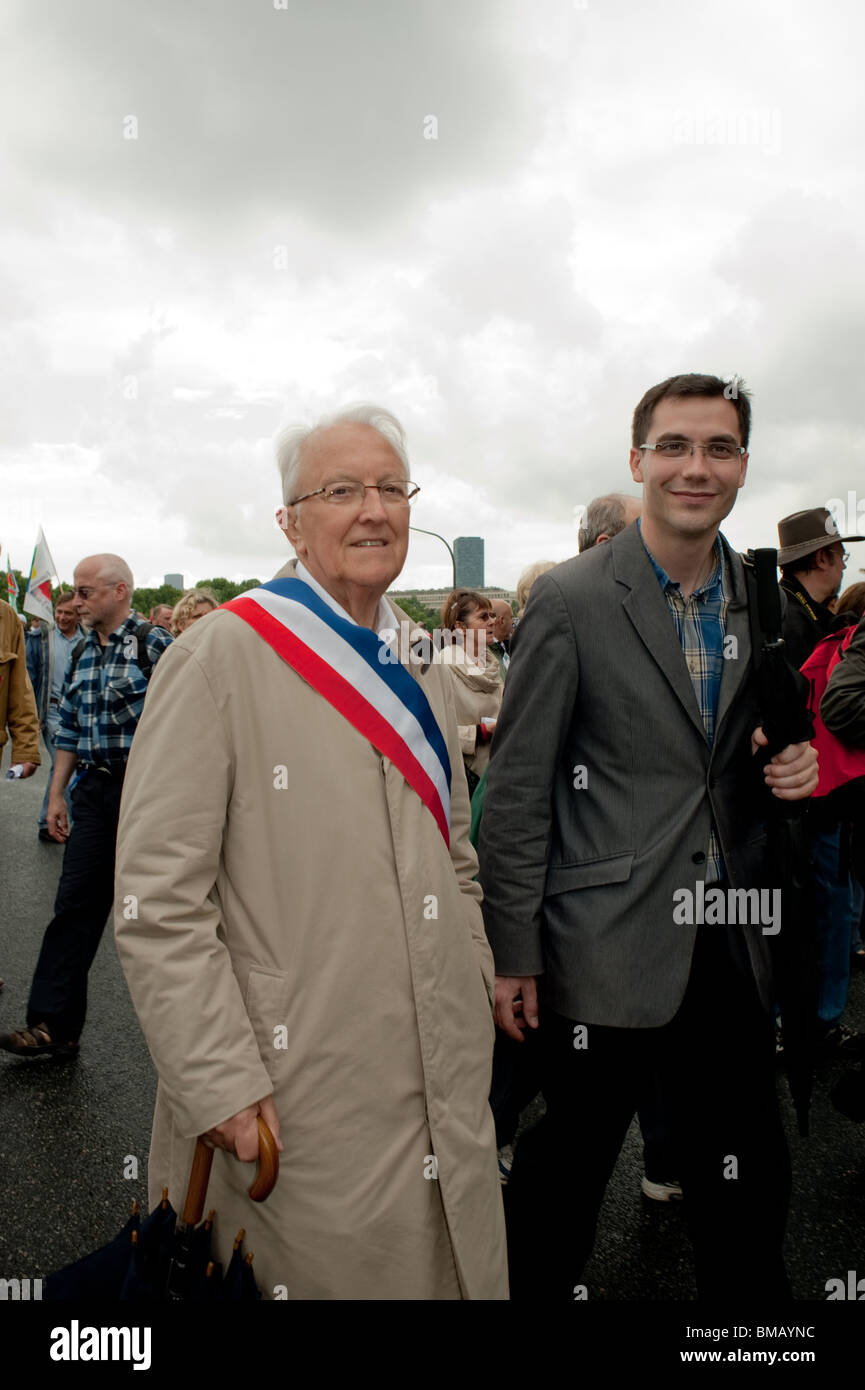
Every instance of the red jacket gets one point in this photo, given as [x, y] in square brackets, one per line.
[838, 762]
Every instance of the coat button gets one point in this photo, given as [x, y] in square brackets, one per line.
[698, 858]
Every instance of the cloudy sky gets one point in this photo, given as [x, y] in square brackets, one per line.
[503, 220]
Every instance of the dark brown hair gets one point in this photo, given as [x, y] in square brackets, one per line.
[692, 384]
[806, 563]
[459, 605]
[852, 600]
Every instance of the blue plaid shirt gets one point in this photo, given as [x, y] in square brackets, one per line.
[701, 625]
[101, 705]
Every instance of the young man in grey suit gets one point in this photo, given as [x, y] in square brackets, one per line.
[624, 787]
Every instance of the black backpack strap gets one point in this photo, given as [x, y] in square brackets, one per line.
[73, 661]
[753, 614]
[145, 665]
[142, 658]
[747, 558]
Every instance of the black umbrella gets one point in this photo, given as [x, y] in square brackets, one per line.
[240, 1285]
[162, 1257]
[97, 1274]
[784, 696]
[190, 1250]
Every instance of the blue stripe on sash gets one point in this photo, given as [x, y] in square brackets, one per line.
[368, 644]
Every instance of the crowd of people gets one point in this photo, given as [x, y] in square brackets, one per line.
[335, 865]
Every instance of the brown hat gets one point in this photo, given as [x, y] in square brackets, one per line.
[804, 532]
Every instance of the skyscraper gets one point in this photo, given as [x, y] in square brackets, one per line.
[469, 555]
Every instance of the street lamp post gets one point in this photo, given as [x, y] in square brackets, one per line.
[444, 542]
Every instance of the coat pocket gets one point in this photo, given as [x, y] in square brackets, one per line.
[267, 1008]
[561, 878]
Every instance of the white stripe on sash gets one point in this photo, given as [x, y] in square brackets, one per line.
[332, 648]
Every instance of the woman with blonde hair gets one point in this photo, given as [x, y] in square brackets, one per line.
[194, 604]
[476, 678]
[527, 579]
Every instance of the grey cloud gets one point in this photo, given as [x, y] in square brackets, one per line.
[244, 110]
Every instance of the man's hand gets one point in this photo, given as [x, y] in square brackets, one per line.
[239, 1135]
[57, 818]
[516, 1004]
[28, 769]
[792, 774]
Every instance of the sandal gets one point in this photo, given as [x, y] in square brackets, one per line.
[36, 1041]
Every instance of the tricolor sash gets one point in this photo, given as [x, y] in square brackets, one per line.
[340, 660]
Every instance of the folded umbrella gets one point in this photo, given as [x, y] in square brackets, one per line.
[101, 1273]
[190, 1248]
[784, 694]
[160, 1257]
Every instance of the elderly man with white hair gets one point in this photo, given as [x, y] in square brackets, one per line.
[99, 712]
[308, 947]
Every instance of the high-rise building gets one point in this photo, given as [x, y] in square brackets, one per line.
[175, 580]
[469, 556]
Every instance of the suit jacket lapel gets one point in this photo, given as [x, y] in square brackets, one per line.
[647, 609]
[736, 665]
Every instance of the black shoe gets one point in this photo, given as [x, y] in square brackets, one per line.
[36, 1041]
[848, 1095]
[840, 1042]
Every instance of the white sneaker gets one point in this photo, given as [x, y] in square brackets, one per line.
[662, 1191]
[506, 1162]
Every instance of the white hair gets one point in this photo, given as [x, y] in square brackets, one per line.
[291, 442]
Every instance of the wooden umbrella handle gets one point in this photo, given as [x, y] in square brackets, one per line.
[268, 1164]
[199, 1176]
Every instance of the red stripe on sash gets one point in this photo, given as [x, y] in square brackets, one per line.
[345, 699]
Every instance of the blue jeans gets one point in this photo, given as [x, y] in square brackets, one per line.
[834, 902]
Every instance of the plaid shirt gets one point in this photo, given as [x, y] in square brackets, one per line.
[701, 625]
[101, 705]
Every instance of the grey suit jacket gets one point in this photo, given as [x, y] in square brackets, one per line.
[579, 879]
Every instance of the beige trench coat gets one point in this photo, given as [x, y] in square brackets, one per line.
[477, 689]
[290, 920]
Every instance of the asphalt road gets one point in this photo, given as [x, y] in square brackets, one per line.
[70, 1134]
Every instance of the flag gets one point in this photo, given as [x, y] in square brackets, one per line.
[11, 584]
[37, 599]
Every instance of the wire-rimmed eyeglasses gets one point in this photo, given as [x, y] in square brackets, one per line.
[395, 493]
[718, 449]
